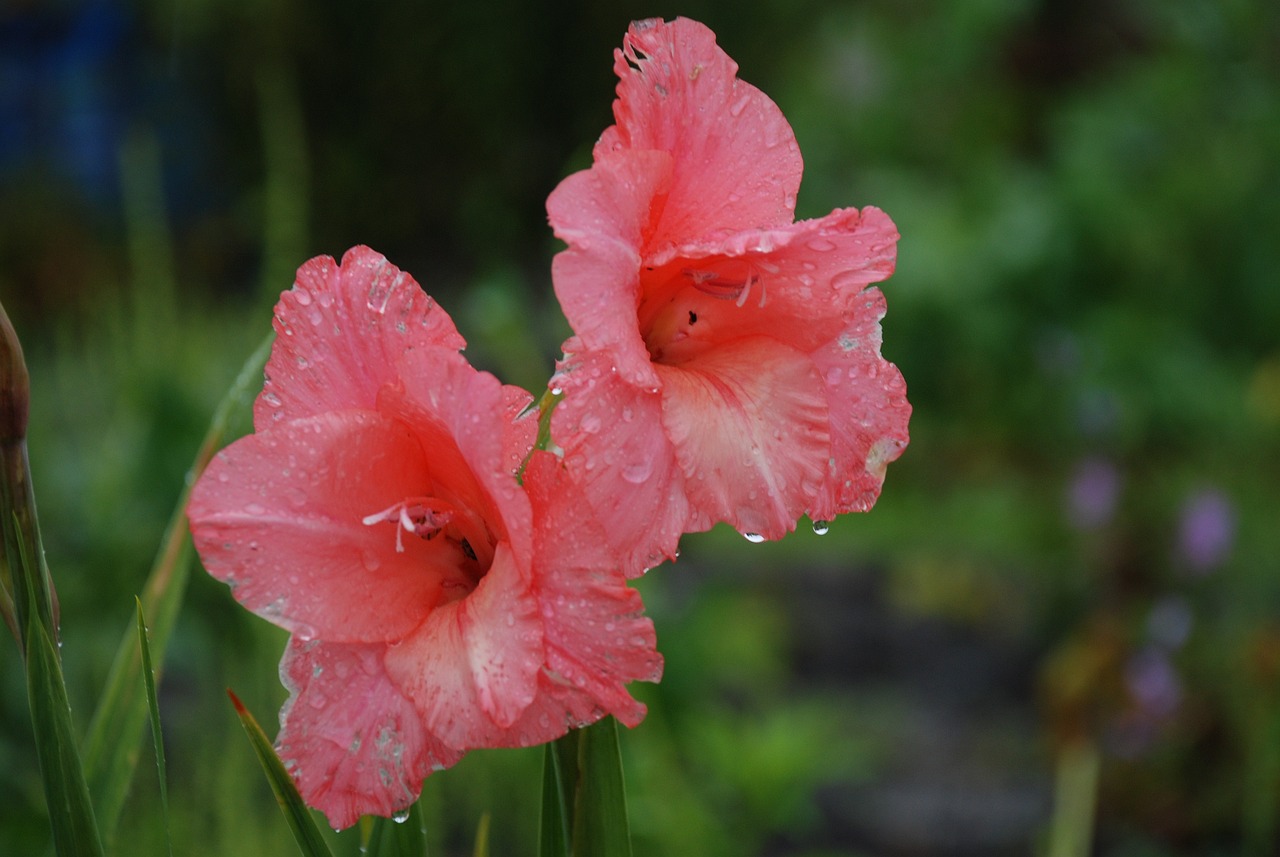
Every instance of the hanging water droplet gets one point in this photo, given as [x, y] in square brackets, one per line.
[821, 527]
[754, 538]
[557, 391]
[400, 816]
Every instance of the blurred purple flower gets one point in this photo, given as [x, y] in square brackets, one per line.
[1207, 530]
[1092, 493]
[1153, 683]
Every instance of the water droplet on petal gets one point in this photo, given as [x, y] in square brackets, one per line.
[400, 816]
[738, 106]
[255, 509]
[821, 245]
[302, 296]
[637, 472]
[754, 538]
[821, 527]
[591, 424]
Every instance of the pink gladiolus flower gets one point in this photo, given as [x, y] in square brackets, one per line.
[726, 360]
[436, 604]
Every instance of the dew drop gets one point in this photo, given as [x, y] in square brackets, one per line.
[255, 509]
[315, 316]
[754, 538]
[557, 391]
[400, 816]
[834, 375]
[821, 527]
[302, 296]
[821, 245]
[739, 105]
[789, 200]
[591, 424]
[637, 472]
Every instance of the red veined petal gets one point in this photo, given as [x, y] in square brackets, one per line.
[735, 160]
[596, 636]
[748, 421]
[340, 331]
[869, 412]
[602, 213]
[279, 516]
[472, 668]
[351, 740]
[621, 461]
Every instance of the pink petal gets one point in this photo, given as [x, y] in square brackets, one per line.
[797, 284]
[869, 412]
[736, 163]
[620, 461]
[279, 516]
[749, 424]
[472, 668]
[339, 331]
[597, 638]
[352, 741]
[462, 419]
[602, 214]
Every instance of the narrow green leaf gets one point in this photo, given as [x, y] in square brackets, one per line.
[114, 740]
[75, 831]
[305, 830]
[401, 836]
[600, 825]
[35, 616]
[482, 837]
[149, 685]
[559, 756]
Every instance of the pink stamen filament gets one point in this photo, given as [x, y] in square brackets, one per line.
[423, 516]
[709, 283]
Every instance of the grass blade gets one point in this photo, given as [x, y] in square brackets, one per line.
[115, 732]
[600, 825]
[305, 830]
[482, 837]
[559, 760]
[153, 704]
[75, 831]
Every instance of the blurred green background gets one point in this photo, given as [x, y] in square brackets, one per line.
[1069, 591]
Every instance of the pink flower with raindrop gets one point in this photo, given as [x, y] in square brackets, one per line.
[725, 363]
[437, 604]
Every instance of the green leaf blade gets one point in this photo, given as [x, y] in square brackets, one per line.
[600, 824]
[75, 830]
[305, 830]
[153, 705]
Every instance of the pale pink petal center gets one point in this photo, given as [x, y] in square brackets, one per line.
[749, 423]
